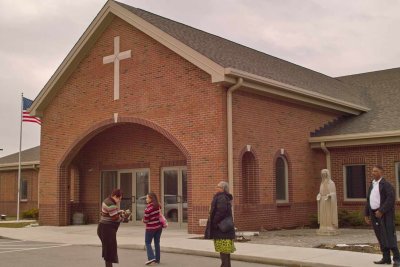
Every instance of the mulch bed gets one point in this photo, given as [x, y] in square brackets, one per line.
[365, 248]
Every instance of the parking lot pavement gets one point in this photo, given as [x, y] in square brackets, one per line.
[12, 245]
[19, 253]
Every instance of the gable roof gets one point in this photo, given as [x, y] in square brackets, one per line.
[231, 55]
[383, 91]
[224, 60]
[29, 157]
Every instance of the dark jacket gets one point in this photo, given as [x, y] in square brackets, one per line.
[387, 207]
[221, 207]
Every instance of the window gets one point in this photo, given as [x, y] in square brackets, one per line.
[24, 189]
[355, 182]
[281, 180]
[249, 178]
[108, 183]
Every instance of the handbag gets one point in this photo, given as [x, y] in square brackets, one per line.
[163, 220]
[226, 224]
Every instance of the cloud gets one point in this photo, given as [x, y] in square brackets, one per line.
[332, 37]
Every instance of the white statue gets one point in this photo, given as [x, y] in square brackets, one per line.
[327, 206]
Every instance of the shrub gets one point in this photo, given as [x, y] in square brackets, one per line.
[314, 221]
[31, 214]
[346, 219]
[350, 218]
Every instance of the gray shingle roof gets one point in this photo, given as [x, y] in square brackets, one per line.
[383, 91]
[28, 155]
[229, 54]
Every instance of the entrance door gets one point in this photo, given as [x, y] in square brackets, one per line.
[134, 185]
[174, 195]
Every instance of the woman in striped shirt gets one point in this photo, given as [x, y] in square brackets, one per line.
[111, 216]
[153, 228]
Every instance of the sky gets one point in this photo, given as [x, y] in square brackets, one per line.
[333, 37]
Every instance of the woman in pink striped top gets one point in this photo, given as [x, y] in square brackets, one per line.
[153, 228]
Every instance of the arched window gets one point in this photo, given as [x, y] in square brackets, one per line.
[250, 183]
[281, 180]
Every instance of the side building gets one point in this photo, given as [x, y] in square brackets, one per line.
[30, 162]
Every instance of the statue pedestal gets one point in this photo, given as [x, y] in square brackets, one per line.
[327, 231]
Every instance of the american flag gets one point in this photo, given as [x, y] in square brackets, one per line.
[26, 103]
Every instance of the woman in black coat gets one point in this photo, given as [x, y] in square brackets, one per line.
[220, 226]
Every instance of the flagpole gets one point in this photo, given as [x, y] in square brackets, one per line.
[19, 156]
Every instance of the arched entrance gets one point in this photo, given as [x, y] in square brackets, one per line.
[135, 155]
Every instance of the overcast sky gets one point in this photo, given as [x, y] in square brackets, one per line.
[334, 37]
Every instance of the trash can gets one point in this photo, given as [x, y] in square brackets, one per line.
[78, 218]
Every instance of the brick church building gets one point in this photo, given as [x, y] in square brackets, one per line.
[145, 103]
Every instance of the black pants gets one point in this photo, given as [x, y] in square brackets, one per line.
[225, 259]
[381, 234]
[108, 236]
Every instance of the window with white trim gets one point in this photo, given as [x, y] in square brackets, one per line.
[281, 180]
[355, 182]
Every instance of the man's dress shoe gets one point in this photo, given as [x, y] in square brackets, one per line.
[384, 261]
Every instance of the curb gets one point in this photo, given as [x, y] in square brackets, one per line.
[237, 257]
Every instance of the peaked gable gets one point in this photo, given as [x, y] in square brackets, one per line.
[224, 60]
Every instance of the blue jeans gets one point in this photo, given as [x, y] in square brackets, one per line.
[148, 238]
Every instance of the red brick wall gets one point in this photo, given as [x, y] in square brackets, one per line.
[385, 155]
[9, 190]
[269, 125]
[157, 86]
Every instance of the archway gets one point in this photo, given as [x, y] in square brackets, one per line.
[121, 148]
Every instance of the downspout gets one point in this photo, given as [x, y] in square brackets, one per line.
[328, 156]
[233, 88]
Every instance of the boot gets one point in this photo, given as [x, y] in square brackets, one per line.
[229, 260]
[225, 259]
[109, 264]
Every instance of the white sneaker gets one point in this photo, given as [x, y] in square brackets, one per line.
[150, 262]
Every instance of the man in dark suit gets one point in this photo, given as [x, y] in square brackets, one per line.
[379, 210]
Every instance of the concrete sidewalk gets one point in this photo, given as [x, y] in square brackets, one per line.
[178, 241]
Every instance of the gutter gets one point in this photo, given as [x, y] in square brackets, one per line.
[35, 165]
[328, 156]
[231, 89]
[285, 90]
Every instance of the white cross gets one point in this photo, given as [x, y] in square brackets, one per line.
[116, 57]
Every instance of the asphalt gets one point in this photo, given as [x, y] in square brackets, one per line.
[179, 241]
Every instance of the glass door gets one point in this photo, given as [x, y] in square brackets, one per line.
[141, 189]
[174, 194]
[134, 185]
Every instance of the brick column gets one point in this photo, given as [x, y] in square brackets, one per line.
[63, 196]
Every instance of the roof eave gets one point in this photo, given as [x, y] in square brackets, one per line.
[284, 90]
[358, 139]
[15, 165]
